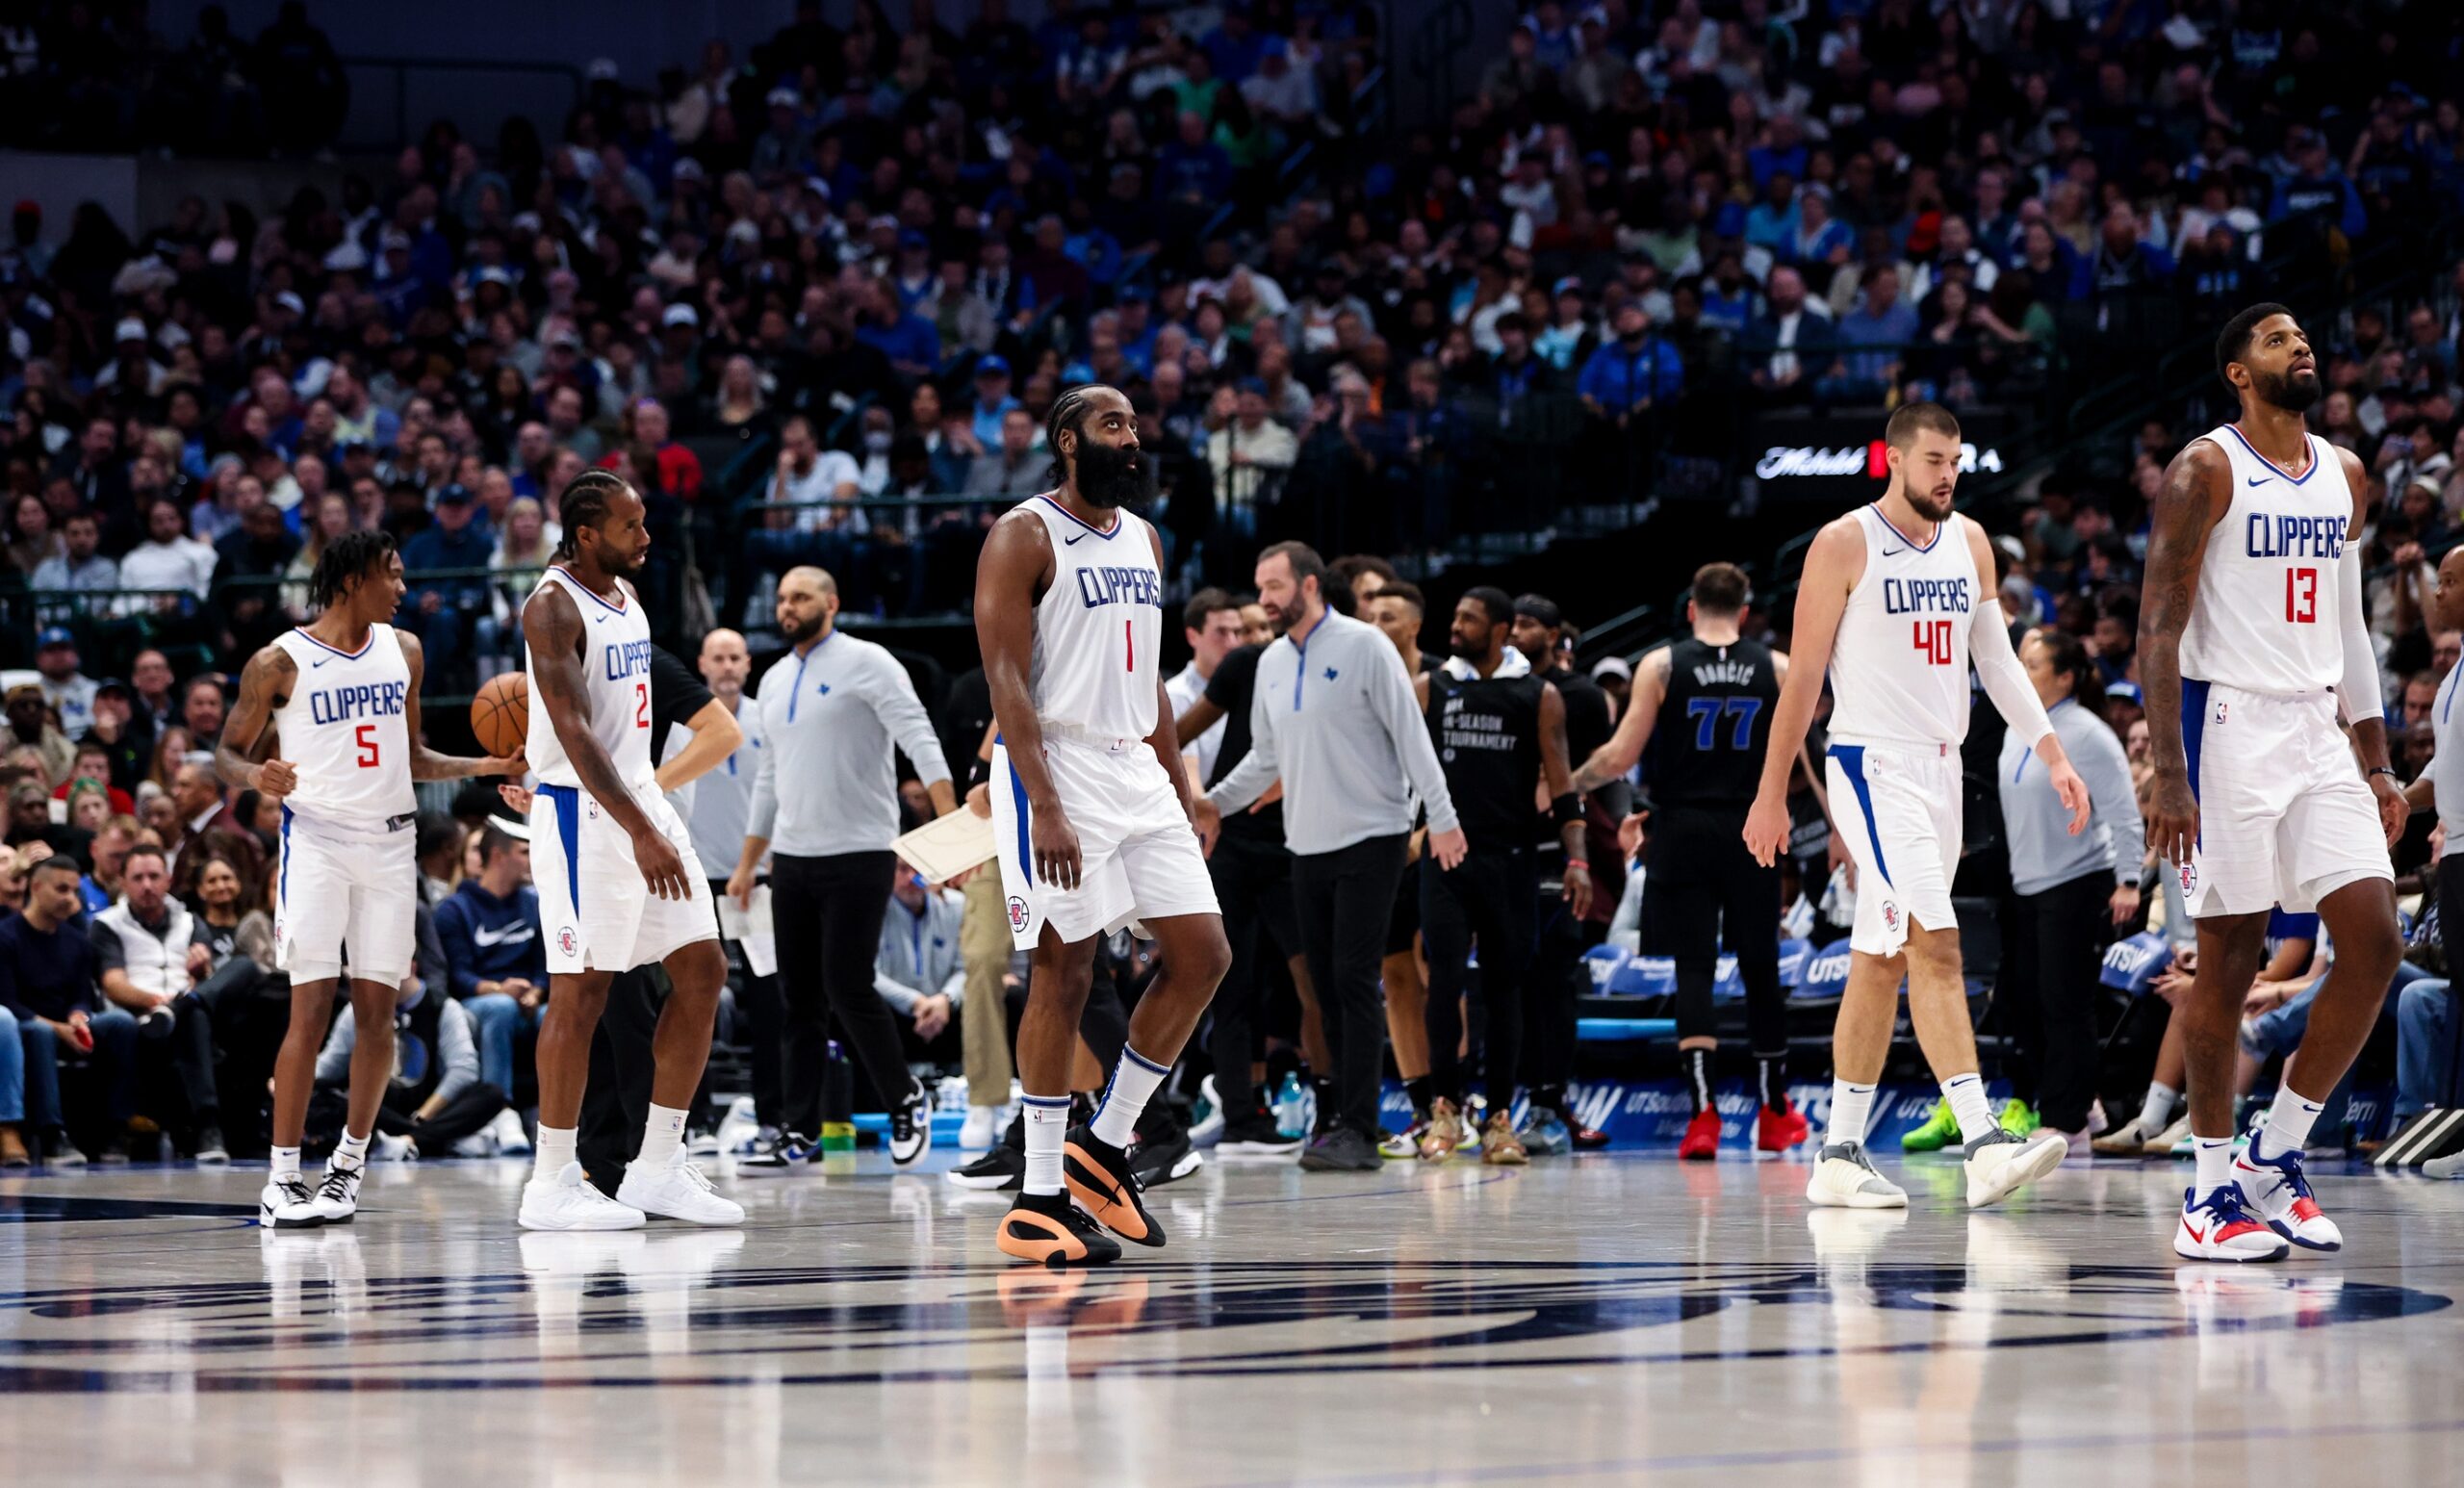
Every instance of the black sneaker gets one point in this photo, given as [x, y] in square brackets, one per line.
[1097, 1175]
[210, 1150]
[1163, 1157]
[774, 1154]
[114, 1152]
[1255, 1135]
[1000, 1171]
[1048, 1229]
[58, 1151]
[910, 1128]
[1342, 1150]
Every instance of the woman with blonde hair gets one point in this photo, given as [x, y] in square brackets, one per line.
[332, 519]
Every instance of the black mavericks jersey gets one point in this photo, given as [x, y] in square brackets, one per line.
[1714, 724]
[1487, 734]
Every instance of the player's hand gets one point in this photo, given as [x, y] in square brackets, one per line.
[662, 866]
[274, 778]
[512, 767]
[2125, 904]
[978, 800]
[1449, 848]
[1273, 794]
[2264, 997]
[740, 888]
[1578, 892]
[1766, 828]
[517, 798]
[1630, 835]
[1208, 819]
[1056, 847]
[932, 1016]
[2173, 823]
[2072, 790]
[2393, 810]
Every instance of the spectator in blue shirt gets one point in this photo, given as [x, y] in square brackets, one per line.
[992, 401]
[496, 962]
[908, 340]
[1871, 337]
[1782, 153]
[49, 1008]
[441, 612]
[1637, 371]
[2318, 189]
[1772, 224]
[1193, 171]
[1819, 238]
[2123, 263]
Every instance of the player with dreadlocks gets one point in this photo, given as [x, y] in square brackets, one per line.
[340, 698]
[1093, 813]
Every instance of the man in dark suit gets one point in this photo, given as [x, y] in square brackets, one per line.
[1789, 346]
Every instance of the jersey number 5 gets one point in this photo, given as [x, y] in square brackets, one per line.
[2302, 596]
[366, 739]
[1933, 639]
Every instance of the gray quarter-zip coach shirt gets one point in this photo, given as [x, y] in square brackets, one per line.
[828, 782]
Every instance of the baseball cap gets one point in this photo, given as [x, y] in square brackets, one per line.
[114, 684]
[689, 168]
[994, 366]
[287, 300]
[21, 690]
[131, 329]
[783, 98]
[54, 635]
[2128, 692]
[455, 494]
[1541, 609]
[1612, 666]
[679, 315]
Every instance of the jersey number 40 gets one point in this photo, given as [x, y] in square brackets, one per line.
[1934, 640]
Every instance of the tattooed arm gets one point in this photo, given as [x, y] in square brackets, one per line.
[2198, 488]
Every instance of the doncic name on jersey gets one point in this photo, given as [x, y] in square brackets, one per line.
[366, 700]
[1126, 584]
[1926, 596]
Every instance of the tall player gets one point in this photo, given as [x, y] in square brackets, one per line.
[615, 869]
[2250, 640]
[1091, 810]
[341, 696]
[1897, 602]
[1710, 699]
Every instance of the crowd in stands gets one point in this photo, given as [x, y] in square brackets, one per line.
[814, 296]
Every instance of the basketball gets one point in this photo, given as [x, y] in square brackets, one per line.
[500, 713]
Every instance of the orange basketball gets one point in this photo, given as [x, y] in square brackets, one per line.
[500, 713]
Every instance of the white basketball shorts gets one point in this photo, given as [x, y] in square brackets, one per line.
[1139, 860]
[2285, 816]
[595, 908]
[333, 890]
[1899, 809]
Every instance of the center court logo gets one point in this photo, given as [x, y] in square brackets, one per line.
[1017, 913]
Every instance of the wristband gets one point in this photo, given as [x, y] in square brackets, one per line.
[2385, 770]
[1584, 864]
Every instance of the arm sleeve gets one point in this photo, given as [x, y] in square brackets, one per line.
[333, 1061]
[1400, 713]
[1259, 767]
[761, 817]
[2006, 682]
[2361, 694]
[902, 713]
[456, 1051]
[2103, 763]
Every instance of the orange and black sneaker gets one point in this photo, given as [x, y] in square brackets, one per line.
[1048, 1228]
[1097, 1173]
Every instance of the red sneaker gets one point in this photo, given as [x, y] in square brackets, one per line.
[1777, 1131]
[1702, 1142]
[1588, 1138]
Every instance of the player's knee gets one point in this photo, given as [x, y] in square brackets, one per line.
[698, 971]
[1207, 957]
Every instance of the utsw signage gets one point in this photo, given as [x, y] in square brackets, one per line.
[1783, 462]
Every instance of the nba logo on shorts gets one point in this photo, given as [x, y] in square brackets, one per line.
[565, 940]
[1017, 913]
[594, 810]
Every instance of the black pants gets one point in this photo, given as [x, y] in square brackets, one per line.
[2053, 946]
[1491, 896]
[757, 1003]
[624, 1068]
[828, 912]
[471, 1110]
[188, 1051]
[1551, 987]
[1253, 883]
[1343, 899]
[1703, 890]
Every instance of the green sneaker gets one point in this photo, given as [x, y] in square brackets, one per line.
[2020, 1119]
[1940, 1130]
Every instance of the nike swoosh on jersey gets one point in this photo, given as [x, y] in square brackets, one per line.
[1894, 553]
[2258, 480]
[1072, 542]
[321, 661]
[508, 934]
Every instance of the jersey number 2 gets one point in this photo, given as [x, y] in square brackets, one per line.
[365, 738]
[2302, 596]
[641, 705]
[1933, 639]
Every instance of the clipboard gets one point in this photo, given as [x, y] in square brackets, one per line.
[947, 846]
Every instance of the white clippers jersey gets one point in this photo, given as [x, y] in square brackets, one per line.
[1098, 628]
[1899, 665]
[346, 727]
[2267, 616]
[616, 681]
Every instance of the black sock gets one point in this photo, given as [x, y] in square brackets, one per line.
[1550, 1097]
[1418, 1088]
[1323, 1086]
[1697, 1077]
[1771, 1080]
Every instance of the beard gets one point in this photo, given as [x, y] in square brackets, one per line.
[799, 632]
[1285, 619]
[1109, 476]
[1934, 505]
[2293, 391]
[1471, 651]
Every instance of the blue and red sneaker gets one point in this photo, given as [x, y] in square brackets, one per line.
[2218, 1228]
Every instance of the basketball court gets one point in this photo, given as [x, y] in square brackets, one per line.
[1607, 1319]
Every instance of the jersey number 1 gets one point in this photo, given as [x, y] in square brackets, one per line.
[2302, 596]
[1933, 639]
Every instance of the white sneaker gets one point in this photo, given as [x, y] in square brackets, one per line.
[2175, 1141]
[393, 1149]
[337, 1197]
[568, 1203]
[910, 1128]
[1844, 1177]
[1209, 1129]
[702, 1143]
[1999, 1164]
[286, 1203]
[982, 1130]
[2280, 1197]
[506, 1131]
[678, 1191]
[2128, 1139]
[2218, 1228]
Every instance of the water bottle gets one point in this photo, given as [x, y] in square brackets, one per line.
[837, 1102]
[1291, 1108]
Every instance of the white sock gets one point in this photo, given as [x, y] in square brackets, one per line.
[286, 1163]
[1047, 1124]
[661, 1136]
[1134, 1080]
[1851, 1110]
[2158, 1108]
[551, 1150]
[351, 1151]
[1966, 1095]
[2289, 1121]
[2215, 1155]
